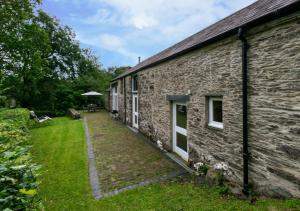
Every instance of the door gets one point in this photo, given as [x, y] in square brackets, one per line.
[115, 98]
[135, 113]
[180, 144]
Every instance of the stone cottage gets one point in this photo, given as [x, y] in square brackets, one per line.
[228, 95]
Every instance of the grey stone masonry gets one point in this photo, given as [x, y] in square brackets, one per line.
[216, 70]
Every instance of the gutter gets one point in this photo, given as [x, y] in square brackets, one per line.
[246, 153]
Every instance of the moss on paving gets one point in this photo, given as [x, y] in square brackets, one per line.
[61, 150]
[122, 158]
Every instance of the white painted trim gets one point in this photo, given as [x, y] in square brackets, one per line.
[135, 113]
[211, 122]
[183, 131]
[115, 98]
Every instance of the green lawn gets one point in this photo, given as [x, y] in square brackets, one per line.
[61, 150]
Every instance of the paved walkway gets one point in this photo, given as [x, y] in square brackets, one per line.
[121, 159]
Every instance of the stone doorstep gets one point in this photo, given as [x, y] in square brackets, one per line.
[132, 129]
[180, 162]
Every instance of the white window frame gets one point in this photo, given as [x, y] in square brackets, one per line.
[132, 84]
[115, 98]
[211, 122]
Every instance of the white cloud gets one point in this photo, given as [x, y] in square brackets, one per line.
[108, 42]
[142, 21]
[102, 16]
[169, 13]
[131, 26]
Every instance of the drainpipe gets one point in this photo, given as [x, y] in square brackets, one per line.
[245, 109]
[124, 82]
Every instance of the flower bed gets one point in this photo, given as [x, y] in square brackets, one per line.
[18, 183]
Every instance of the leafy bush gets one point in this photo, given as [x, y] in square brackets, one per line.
[18, 183]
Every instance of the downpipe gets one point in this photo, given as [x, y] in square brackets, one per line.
[245, 48]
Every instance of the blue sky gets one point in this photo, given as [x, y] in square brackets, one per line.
[118, 31]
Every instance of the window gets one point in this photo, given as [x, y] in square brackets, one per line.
[135, 104]
[135, 83]
[115, 97]
[181, 141]
[181, 117]
[215, 112]
[115, 89]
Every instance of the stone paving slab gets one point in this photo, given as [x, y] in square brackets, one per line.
[122, 159]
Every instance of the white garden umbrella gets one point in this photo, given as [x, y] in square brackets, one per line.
[92, 93]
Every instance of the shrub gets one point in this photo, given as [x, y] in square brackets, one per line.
[18, 183]
[201, 168]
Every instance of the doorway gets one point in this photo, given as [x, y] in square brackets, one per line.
[135, 113]
[180, 144]
[115, 99]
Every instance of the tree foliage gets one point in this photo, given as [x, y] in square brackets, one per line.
[18, 185]
[116, 71]
[42, 65]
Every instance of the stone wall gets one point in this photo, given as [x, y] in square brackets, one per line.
[128, 101]
[124, 93]
[215, 70]
[274, 73]
[107, 101]
[121, 104]
[212, 71]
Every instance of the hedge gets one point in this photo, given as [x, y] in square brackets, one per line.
[18, 185]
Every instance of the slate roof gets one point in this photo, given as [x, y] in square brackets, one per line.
[258, 12]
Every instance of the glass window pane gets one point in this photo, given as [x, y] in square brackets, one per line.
[181, 141]
[135, 104]
[217, 111]
[134, 84]
[135, 119]
[181, 118]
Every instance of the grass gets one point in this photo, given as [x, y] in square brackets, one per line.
[122, 156]
[61, 150]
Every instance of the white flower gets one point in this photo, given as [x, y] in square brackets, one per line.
[160, 145]
[198, 165]
[222, 167]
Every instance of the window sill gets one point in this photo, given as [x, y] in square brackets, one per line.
[216, 125]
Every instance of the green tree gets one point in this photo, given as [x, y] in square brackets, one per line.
[116, 71]
[43, 65]
[2, 91]
[24, 46]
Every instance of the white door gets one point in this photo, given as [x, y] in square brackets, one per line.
[115, 98]
[135, 113]
[180, 144]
